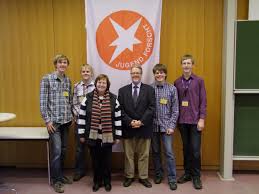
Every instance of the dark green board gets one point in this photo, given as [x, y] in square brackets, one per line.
[246, 131]
[247, 55]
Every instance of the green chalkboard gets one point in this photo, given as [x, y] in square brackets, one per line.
[247, 55]
[246, 130]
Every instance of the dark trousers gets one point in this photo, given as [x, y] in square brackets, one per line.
[101, 162]
[58, 147]
[191, 139]
[80, 155]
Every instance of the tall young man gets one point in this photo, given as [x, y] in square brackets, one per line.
[166, 115]
[192, 106]
[55, 107]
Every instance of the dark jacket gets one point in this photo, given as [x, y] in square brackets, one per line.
[143, 111]
[85, 115]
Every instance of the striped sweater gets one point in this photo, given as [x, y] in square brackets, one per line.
[85, 112]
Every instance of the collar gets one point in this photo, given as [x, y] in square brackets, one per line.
[191, 77]
[132, 85]
[91, 83]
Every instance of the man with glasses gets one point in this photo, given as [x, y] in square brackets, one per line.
[138, 105]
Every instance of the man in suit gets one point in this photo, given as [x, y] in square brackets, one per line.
[138, 106]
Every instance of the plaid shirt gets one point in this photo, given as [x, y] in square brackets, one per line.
[55, 99]
[167, 109]
[80, 90]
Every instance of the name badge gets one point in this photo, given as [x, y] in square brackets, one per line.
[65, 93]
[185, 103]
[163, 101]
[81, 98]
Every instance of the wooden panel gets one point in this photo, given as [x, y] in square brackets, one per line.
[34, 31]
[195, 27]
[70, 39]
[242, 9]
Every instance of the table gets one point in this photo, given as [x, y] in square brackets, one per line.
[26, 133]
[6, 116]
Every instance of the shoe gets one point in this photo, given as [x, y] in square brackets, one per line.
[197, 183]
[145, 182]
[172, 185]
[66, 180]
[77, 177]
[96, 187]
[184, 178]
[127, 182]
[158, 179]
[58, 187]
[108, 187]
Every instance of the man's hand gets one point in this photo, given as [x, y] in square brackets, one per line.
[134, 124]
[50, 127]
[169, 131]
[200, 125]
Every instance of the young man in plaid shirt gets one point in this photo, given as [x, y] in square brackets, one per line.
[55, 107]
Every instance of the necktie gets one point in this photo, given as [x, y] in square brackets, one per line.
[135, 94]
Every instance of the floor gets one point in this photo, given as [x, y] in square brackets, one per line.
[34, 181]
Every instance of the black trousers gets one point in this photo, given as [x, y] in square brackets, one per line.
[101, 162]
[80, 166]
[191, 139]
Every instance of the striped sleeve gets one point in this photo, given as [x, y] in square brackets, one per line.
[117, 120]
[81, 121]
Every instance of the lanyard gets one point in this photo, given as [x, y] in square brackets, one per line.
[186, 86]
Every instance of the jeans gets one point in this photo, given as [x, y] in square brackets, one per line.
[191, 138]
[58, 147]
[167, 141]
[80, 155]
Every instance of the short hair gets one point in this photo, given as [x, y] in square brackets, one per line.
[160, 67]
[100, 77]
[187, 56]
[60, 57]
[138, 67]
[89, 67]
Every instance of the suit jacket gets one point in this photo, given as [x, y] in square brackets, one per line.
[143, 111]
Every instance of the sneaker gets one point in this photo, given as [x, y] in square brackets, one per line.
[197, 183]
[158, 179]
[172, 185]
[77, 177]
[184, 178]
[127, 182]
[58, 187]
[145, 182]
[66, 180]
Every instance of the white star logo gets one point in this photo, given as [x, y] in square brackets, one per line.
[126, 38]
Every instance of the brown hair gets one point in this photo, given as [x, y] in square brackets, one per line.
[187, 56]
[160, 67]
[100, 77]
[60, 57]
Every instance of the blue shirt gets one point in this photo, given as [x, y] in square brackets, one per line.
[167, 108]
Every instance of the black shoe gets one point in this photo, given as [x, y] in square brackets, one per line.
[96, 187]
[197, 183]
[66, 180]
[172, 185]
[77, 177]
[127, 182]
[145, 182]
[108, 187]
[184, 178]
[158, 179]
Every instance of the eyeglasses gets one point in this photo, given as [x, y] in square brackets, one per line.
[135, 73]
